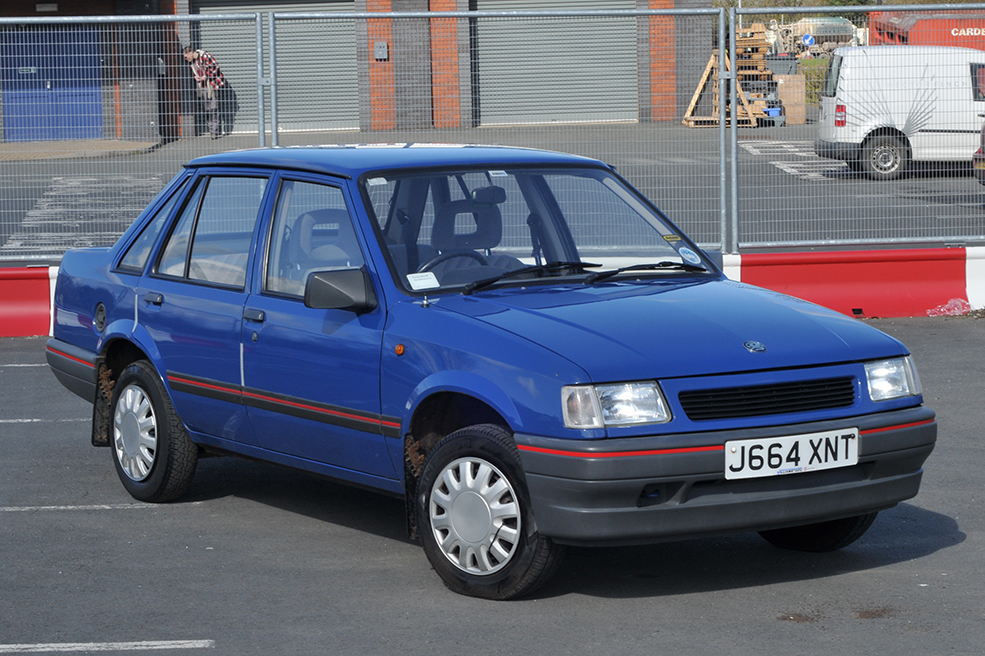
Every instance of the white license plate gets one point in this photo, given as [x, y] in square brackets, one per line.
[791, 454]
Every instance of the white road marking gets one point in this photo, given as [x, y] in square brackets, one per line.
[806, 165]
[86, 647]
[41, 421]
[105, 506]
[22, 365]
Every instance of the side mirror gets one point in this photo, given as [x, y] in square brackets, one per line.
[340, 289]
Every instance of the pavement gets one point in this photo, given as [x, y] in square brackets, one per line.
[72, 148]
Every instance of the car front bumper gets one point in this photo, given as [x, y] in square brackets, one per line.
[846, 152]
[655, 489]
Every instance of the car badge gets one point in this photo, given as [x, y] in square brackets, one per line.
[754, 346]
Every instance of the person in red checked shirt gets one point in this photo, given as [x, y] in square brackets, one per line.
[208, 81]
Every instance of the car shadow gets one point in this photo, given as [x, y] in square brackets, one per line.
[301, 493]
[900, 534]
[915, 170]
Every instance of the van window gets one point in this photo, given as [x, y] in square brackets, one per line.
[978, 81]
[830, 89]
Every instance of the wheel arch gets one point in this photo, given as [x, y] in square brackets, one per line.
[887, 131]
[116, 355]
[435, 416]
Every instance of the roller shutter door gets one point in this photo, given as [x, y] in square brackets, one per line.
[317, 84]
[555, 70]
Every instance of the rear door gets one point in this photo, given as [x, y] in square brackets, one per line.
[312, 377]
[191, 304]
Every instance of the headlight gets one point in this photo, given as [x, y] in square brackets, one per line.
[622, 404]
[892, 379]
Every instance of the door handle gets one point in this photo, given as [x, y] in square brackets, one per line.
[254, 315]
[153, 298]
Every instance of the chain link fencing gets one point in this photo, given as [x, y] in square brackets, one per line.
[99, 114]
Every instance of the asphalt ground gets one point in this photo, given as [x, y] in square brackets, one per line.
[262, 560]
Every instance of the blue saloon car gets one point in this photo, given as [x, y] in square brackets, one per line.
[515, 341]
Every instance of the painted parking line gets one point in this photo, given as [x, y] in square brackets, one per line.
[87, 647]
[22, 365]
[104, 506]
[43, 421]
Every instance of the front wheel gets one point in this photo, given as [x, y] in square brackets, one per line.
[885, 157]
[477, 526]
[153, 455]
[824, 536]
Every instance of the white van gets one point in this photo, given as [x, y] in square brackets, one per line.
[885, 106]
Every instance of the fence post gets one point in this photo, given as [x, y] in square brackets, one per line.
[273, 80]
[261, 119]
[722, 130]
[733, 241]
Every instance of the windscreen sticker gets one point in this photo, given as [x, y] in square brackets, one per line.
[376, 182]
[498, 174]
[689, 256]
[426, 280]
[672, 237]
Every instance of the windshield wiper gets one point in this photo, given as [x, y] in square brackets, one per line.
[536, 268]
[683, 266]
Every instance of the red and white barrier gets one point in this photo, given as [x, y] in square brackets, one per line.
[874, 283]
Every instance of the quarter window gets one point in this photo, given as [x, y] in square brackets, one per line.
[136, 256]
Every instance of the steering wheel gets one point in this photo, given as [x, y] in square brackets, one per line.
[434, 261]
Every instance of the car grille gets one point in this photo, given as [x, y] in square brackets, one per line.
[801, 396]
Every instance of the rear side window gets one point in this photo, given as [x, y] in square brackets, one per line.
[211, 241]
[830, 88]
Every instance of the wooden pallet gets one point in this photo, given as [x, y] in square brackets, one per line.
[746, 116]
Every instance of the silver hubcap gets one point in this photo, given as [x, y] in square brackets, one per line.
[135, 433]
[475, 516]
[886, 158]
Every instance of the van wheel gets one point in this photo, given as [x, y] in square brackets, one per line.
[885, 158]
[824, 536]
[153, 455]
[476, 522]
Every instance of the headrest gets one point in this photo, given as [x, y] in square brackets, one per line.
[487, 233]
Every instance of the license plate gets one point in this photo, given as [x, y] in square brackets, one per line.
[791, 454]
[979, 163]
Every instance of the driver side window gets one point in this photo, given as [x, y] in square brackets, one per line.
[312, 231]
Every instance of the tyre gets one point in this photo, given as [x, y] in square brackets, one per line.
[824, 536]
[476, 522]
[885, 158]
[153, 455]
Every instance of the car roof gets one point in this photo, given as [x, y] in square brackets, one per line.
[352, 160]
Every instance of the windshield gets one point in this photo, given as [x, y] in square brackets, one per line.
[451, 230]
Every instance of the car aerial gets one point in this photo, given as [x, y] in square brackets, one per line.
[515, 341]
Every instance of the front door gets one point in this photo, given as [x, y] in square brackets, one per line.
[312, 377]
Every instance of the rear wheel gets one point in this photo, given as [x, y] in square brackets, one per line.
[885, 157]
[153, 455]
[824, 536]
[477, 526]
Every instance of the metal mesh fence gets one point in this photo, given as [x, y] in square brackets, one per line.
[883, 116]
[97, 116]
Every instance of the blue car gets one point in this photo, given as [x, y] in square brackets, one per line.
[515, 341]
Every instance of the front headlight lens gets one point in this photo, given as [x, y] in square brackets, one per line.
[622, 404]
[892, 379]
